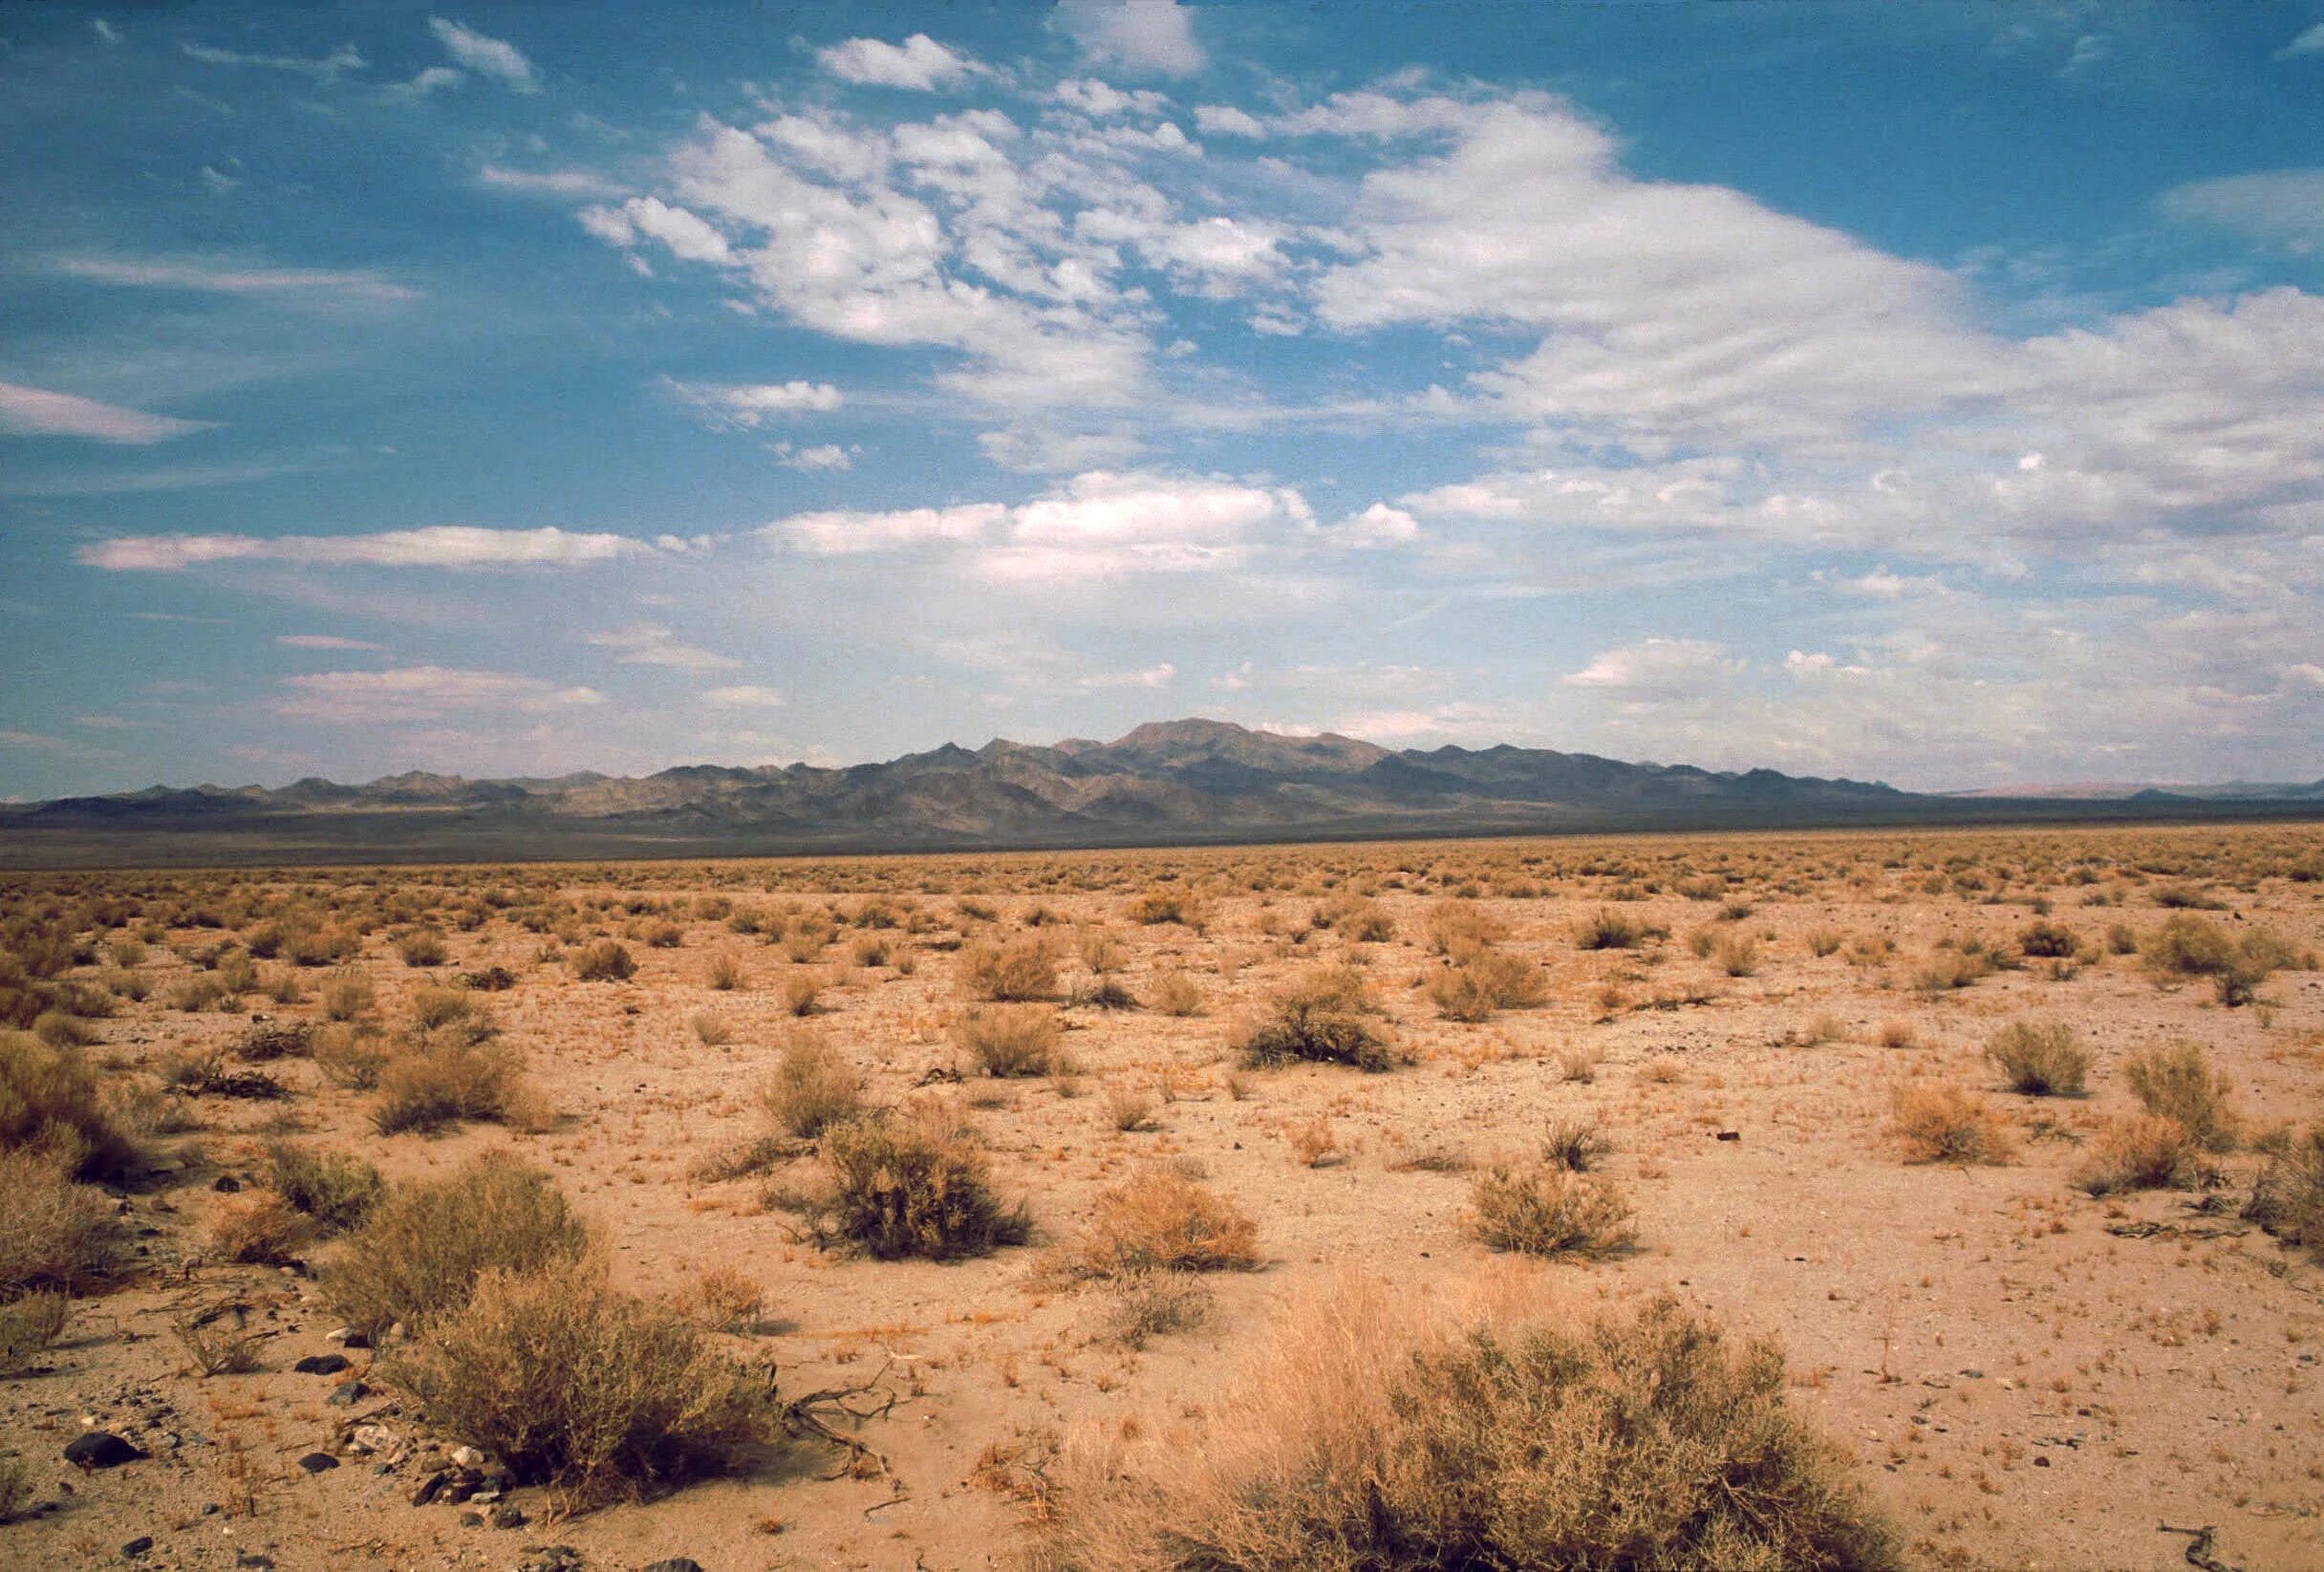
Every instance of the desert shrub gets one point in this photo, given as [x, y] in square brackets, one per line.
[441, 1079]
[1100, 951]
[1160, 1220]
[1458, 930]
[1173, 993]
[434, 1006]
[1324, 1017]
[336, 1189]
[417, 1255]
[2040, 1058]
[2287, 1198]
[29, 1327]
[1142, 1305]
[2144, 1152]
[53, 1233]
[2188, 946]
[257, 1228]
[1575, 1143]
[1356, 919]
[1130, 1108]
[665, 935]
[568, 1382]
[913, 1182]
[2046, 941]
[1017, 970]
[347, 995]
[1824, 941]
[1009, 1039]
[2177, 1083]
[1372, 1436]
[349, 1056]
[1488, 980]
[1737, 955]
[800, 989]
[50, 1103]
[603, 961]
[724, 972]
[812, 1087]
[1941, 1123]
[60, 1031]
[1544, 1208]
[1608, 929]
[17, 1489]
[275, 1040]
[423, 947]
[1164, 904]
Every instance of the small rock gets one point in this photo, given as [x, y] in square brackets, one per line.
[2041, 1462]
[136, 1547]
[676, 1563]
[1730, 1135]
[509, 1516]
[317, 1462]
[556, 1558]
[253, 1559]
[321, 1365]
[99, 1448]
[466, 1458]
[226, 1184]
[347, 1393]
[471, 1520]
[347, 1337]
[369, 1438]
[431, 1487]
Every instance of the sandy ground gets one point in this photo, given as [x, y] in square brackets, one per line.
[2029, 1377]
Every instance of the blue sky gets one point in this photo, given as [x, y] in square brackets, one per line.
[1933, 394]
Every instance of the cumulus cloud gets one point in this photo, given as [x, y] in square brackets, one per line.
[437, 545]
[2277, 206]
[38, 412]
[824, 457]
[1656, 669]
[1154, 36]
[485, 55]
[419, 692]
[750, 405]
[2310, 42]
[847, 532]
[646, 644]
[919, 64]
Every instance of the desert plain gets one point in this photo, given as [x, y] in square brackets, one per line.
[1770, 1076]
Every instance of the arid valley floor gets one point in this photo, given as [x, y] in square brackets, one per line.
[1782, 1043]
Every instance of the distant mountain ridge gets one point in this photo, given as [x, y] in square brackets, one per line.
[1169, 781]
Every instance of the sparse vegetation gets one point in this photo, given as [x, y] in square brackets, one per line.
[2040, 1058]
[2176, 1082]
[417, 1255]
[1009, 1039]
[913, 1182]
[812, 1088]
[1159, 1221]
[1324, 1017]
[1939, 1122]
[1545, 1208]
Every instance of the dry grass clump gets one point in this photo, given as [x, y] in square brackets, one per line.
[2144, 1152]
[1461, 929]
[1159, 1221]
[724, 971]
[1575, 1143]
[1143, 1305]
[1606, 929]
[336, 1189]
[1488, 980]
[567, 1381]
[1323, 1016]
[2177, 1083]
[603, 961]
[350, 1056]
[1355, 919]
[2188, 946]
[257, 1228]
[1173, 993]
[441, 1080]
[1372, 1436]
[29, 1327]
[1737, 955]
[912, 1181]
[54, 1233]
[1009, 1039]
[1939, 1122]
[1164, 904]
[2040, 1058]
[422, 947]
[348, 995]
[1019, 969]
[50, 1103]
[2287, 1198]
[417, 1255]
[1545, 1208]
[812, 1088]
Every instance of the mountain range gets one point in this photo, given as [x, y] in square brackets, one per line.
[1164, 783]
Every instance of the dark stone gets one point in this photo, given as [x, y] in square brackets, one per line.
[509, 1517]
[556, 1558]
[1730, 1135]
[676, 1563]
[226, 1184]
[431, 1487]
[317, 1462]
[355, 1340]
[321, 1365]
[471, 1520]
[251, 1558]
[346, 1394]
[136, 1547]
[99, 1448]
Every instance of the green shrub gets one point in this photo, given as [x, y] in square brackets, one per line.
[2040, 1060]
[2177, 1083]
[568, 1382]
[913, 1182]
[1545, 1208]
[1322, 1018]
[812, 1088]
[336, 1189]
[417, 1255]
[2288, 1199]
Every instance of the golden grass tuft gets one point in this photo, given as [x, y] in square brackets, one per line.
[1159, 1221]
[813, 1086]
[2176, 1082]
[1939, 1122]
[1545, 1208]
[912, 1181]
[417, 1255]
[53, 1233]
[1009, 1039]
[2040, 1058]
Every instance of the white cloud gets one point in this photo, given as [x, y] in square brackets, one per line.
[1159, 676]
[330, 68]
[1656, 669]
[919, 64]
[821, 457]
[743, 696]
[1138, 35]
[37, 412]
[1102, 100]
[844, 532]
[1226, 121]
[1377, 525]
[2310, 42]
[216, 278]
[2279, 206]
[751, 404]
[431, 79]
[484, 55]
[437, 545]
[644, 644]
[323, 641]
[1039, 450]
[548, 183]
[419, 692]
